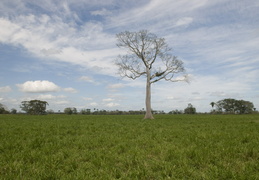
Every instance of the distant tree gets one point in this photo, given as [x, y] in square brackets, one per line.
[82, 111]
[244, 107]
[35, 107]
[213, 111]
[68, 110]
[13, 111]
[85, 111]
[148, 56]
[176, 111]
[235, 106]
[88, 111]
[50, 111]
[74, 110]
[190, 109]
[102, 112]
[3, 109]
[212, 104]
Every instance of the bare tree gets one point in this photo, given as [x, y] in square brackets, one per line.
[148, 56]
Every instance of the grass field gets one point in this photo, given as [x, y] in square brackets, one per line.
[127, 147]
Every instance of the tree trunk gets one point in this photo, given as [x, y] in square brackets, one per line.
[148, 97]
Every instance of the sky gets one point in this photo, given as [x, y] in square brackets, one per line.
[63, 52]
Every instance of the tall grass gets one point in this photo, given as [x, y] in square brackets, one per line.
[127, 147]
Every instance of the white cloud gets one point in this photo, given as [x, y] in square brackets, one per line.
[7, 30]
[86, 79]
[195, 93]
[112, 104]
[5, 89]
[93, 104]
[46, 97]
[184, 21]
[51, 51]
[115, 86]
[102, 12]
[172, 98]
[218, 94]
[108, 100]
[70, 89]
[38, 87]
[52, 38]
[62, 102]
[87, 99]
[156, 14]
[227, 94]
[196, 98]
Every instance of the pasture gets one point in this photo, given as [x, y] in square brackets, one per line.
[128, 147]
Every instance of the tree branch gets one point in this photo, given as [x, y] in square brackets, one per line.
[172, 67]
[129, 67]
[145, 48]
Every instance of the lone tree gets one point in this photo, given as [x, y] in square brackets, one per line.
[149, 56]
[70, 110]
[235, 106]
[35, 107]
[190, 109]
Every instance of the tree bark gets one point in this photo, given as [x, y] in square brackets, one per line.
[148, 97]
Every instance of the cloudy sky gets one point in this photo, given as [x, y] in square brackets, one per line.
[63, 52]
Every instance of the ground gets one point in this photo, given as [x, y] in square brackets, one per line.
[128, 147]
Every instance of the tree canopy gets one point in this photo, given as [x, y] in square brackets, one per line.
[235, 106]
[3, 109]
[35, 107]
[70, 110]
[190, 109]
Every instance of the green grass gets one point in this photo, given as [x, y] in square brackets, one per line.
[127, 147]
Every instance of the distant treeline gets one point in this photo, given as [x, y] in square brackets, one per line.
[225, 106]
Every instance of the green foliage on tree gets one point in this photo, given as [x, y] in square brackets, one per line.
[13, 111]
[70, 110]
[190, 109]
[85, 111]
[234, 106]
[3, 109]
[212, 104]
[176, 111]
[34, 107]
[50, 111]
[74, 110]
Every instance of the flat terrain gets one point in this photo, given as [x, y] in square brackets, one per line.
[127, 147]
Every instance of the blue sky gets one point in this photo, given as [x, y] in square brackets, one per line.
[63, 52]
